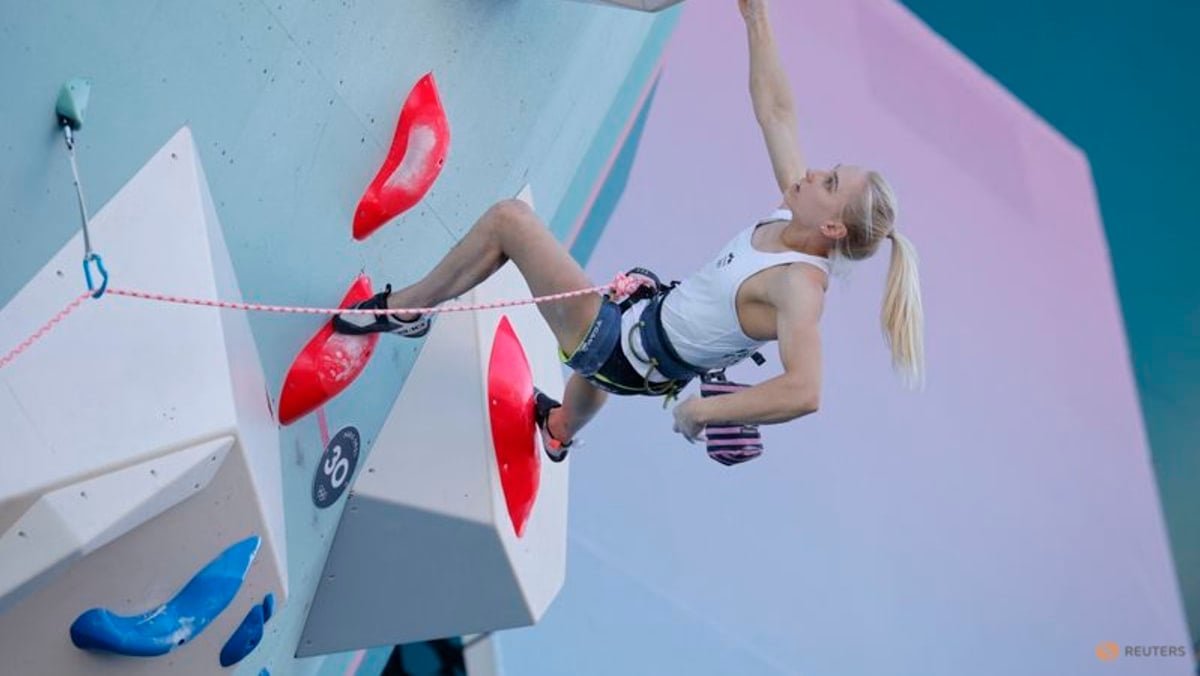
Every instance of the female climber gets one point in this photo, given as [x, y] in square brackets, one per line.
[768, 283]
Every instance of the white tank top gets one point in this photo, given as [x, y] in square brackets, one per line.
[700, 315]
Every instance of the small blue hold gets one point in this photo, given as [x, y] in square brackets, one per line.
[249, 633]
[245, 638]
[264, 672]
[175, 622]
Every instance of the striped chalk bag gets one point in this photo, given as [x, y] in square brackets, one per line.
[729, 443]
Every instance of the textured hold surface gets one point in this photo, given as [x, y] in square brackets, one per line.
[415, 159]
[177, 621]
[327, 364]
[247, 636]
[510, 413]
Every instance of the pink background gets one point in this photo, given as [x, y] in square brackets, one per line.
[1003, 521]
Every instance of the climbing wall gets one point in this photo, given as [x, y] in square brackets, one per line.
[166, 503]
[162, 456]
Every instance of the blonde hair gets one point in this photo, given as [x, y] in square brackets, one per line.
[868, 222]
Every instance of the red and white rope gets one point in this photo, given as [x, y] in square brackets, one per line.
[37, 335]
[621, 285]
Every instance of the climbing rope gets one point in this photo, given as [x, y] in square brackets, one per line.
[37, 335]
[622, 285]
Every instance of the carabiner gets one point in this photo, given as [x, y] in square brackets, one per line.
[87, 273]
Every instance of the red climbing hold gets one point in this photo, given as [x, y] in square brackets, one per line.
[413, 162]
[510, 395]
[327, 364]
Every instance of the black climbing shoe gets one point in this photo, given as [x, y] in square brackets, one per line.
[382, 322]
[542, 405]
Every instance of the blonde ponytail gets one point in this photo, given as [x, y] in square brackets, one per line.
[903, 318]
[868, 221]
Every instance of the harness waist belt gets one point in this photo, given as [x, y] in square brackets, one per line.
[658, 347]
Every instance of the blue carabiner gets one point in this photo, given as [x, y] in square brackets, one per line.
[87, 273]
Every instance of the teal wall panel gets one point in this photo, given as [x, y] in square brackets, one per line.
[293, 107]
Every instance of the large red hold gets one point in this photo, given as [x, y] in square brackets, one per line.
[510, 399]
[327, 364]
[413, 162]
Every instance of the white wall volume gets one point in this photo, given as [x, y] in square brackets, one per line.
[73, 521]
[428, 544]
[146, 443]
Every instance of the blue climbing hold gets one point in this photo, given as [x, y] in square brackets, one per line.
[247, 635]
[175, 622]
[245, 638]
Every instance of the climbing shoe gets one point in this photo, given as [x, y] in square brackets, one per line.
[381, 322]
[542, 405]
